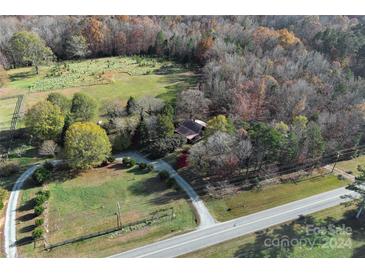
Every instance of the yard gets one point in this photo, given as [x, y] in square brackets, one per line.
[28, 156]
[351, 165]
[87, 204]
[247, 202]
[106, 79]
[74, 203]
[341, 244]
[7, 107]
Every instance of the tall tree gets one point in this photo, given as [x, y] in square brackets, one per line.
[28, 48]
[205, 44]
[161, 43]
[94, 33]
[83, 107]
[219, 123]
[132, 106]
[192, 104]
[86, 145]
[267, 142]
[45, 121]
[165, 126]
[141, 135]
[60, 100]
[76, 47]
[315, 141]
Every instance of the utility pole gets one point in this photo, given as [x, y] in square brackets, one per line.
[116, 214]
[119, 215]
[333, 168]
[359, 211]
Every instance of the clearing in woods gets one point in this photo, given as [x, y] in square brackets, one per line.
[105, 79]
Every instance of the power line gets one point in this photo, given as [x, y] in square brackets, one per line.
[202, 190]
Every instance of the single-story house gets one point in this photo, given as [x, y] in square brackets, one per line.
[191, 129]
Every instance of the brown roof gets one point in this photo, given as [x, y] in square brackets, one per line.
[190, 129]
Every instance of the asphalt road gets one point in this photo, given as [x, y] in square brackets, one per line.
[222, 232]
[205, 218]
[209, 233]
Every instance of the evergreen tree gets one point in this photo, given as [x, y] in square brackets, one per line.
[168, 110]
[141, 136]
[83, 107]
[165, 126]
[315, 140]
[132, 106]
[160, 43]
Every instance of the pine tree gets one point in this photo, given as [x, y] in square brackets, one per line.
[141, 136]
[160, 43]
[165, 126]
[132, 106]
[168, 110]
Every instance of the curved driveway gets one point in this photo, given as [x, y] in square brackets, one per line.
[211, 232]
[205, 218]
[10, 217]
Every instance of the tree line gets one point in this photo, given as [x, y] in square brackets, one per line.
[275, 89]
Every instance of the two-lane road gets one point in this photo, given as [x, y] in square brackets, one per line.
[222, 232]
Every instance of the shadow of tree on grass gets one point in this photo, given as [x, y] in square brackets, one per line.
[153, 186]
[281, 241]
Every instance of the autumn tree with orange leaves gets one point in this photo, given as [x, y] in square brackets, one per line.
[94, 33]
[204, 45]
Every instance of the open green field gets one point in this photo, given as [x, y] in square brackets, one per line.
[6, 112]
[327, 245]
[351, 165]
[88, 202]
[247, 202]
[106, 79]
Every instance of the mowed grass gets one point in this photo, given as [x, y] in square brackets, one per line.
[351, 165]
[6, 112]
[340, 245]
[247, 202]
[105, 79]
[88, 203]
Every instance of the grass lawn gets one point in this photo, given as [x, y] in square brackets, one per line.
[87, 203]
[6, 183]
[351, 165]
[339, 245]
[247, 202]
[6, 112]
[106, 79]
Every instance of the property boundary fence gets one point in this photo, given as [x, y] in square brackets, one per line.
[14, 121]
[159, 216]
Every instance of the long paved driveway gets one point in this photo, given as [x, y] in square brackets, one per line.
[205, 218]
[225, 231]
[10, 218]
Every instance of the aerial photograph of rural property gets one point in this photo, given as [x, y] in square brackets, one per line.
[136, 136]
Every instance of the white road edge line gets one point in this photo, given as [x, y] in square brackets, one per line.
[236, 227]
[238, 219]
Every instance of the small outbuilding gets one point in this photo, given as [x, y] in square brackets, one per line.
[191, 129]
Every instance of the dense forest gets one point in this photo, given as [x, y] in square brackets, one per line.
[275, 90]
